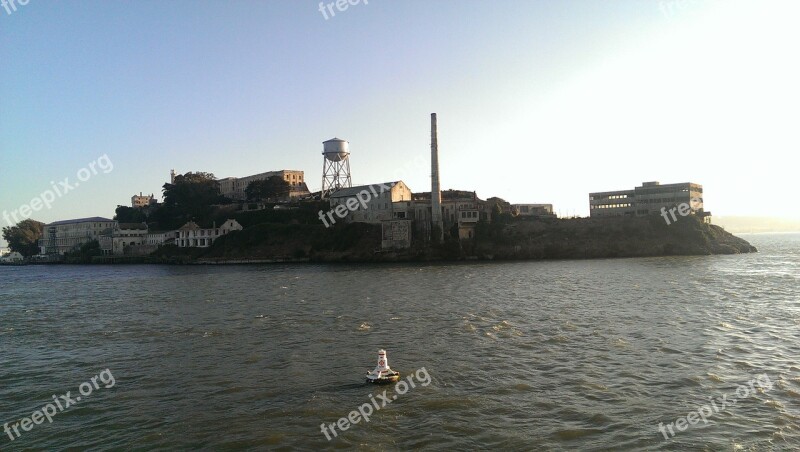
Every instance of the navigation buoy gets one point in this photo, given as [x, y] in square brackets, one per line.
[382, 373]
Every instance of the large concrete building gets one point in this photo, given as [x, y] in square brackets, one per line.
[647, 199]
[63, 236]
[381, 201]
[234, 187]
[117, 240]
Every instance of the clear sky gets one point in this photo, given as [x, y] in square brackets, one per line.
[538, 101]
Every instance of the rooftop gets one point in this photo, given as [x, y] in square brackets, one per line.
[447, 194]
[81, 220]
[351, 191]
[132, 226]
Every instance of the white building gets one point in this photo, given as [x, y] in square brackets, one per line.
[191, 235]
[63, 236]
[13, 257]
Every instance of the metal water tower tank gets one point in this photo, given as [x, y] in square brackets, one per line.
[336, 149]
[335, 166]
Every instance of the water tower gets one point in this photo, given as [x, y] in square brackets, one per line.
[335, 166]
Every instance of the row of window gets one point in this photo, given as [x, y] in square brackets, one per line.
[195, 242]
[202, 233]
[611, 206]
[663, 200]
[662, 190]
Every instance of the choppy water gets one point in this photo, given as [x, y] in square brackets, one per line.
[558, 355]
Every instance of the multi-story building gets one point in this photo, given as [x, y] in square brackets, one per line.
[63, 236]
[381, 201]
[647, 199]
[392, 202]
[191, 235]
[140, 201]
[612, 203]
[460, 207]
[234, 187]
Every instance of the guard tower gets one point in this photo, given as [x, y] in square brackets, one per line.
[51, 249]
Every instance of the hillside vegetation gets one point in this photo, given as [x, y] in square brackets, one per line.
[582, 238]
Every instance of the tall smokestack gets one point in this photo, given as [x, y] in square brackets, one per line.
[436, 191]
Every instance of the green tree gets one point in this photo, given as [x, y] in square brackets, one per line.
[270, 188]
[125, 214]
[191, 197]
[85, 253]
[24, 237]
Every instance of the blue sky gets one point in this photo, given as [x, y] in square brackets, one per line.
[538, 101]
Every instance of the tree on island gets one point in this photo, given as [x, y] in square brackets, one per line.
[191, 197]
[24, 237]
[125, 214]
[270, 188]
[85, 253]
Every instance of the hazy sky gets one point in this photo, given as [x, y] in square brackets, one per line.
[538, 101]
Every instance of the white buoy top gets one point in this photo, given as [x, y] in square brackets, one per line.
[383, 363]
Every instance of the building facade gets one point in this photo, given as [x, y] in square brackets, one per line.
[63, 236]
[459, 207]
[395, 234]
[533, 210]
[234, 187]
[116, 241]
[380, 201]
[647, 199]
[161, 238]
[191, 235]
[392, 204]
[141, 201]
